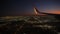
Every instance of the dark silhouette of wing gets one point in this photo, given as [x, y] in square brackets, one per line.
[56, 15]
[36, 10]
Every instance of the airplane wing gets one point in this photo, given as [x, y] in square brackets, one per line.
[56, 15]
[36, 10]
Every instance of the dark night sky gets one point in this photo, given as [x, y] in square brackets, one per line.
[19, 7]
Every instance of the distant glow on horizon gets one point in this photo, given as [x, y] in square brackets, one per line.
[53, 11]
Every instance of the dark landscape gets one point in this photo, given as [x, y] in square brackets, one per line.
[29, 25]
